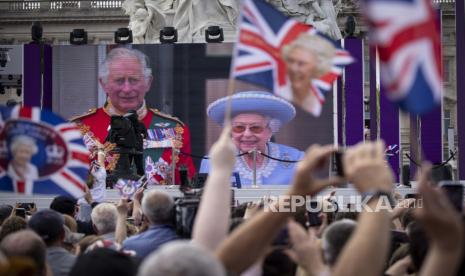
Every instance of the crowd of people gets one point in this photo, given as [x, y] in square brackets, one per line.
[421, 239]
[90, 236]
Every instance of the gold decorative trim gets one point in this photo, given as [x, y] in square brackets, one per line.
[89, 112]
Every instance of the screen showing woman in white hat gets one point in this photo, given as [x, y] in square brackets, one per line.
[255, 117]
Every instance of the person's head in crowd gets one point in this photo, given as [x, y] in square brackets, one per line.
[19, 266]
[85, 242]
[49, 225]
[278, 263]
[104, 218]
[335, 237]
[26, 243]
[256, 116]
[71, 240]
[158, 207]
[71, 223]
[181, 258]
[5, 212]
[104, 262]
[11, 225]
[418, 244]
[65, 205]
[125, 76]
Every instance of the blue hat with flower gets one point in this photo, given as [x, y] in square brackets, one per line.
[263, 103]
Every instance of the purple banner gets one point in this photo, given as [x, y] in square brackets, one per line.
[48, 77]
[389, 128]
[431, 130]
[340, 113]
[431, 136]
[373, 105]
[388, 121]
[460, 58]
[354, 92]
[37, 62]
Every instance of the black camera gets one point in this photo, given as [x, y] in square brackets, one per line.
[121, 132]
[27, 206]
[185, 212]
[128, 135]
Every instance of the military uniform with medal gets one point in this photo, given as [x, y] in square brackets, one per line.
[164, 133]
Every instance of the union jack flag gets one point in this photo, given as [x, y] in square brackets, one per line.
[263, 32]
[59, 161]
[407, 35]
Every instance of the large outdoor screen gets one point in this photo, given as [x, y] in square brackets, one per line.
[187, 78]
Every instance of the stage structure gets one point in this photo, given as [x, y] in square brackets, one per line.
[190, 76]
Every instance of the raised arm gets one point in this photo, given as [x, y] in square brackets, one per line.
[247, 243]
[121, 228]
[367, 249]
[212, 220]
[444, 228]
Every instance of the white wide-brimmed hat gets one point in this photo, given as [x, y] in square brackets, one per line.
[263, 103]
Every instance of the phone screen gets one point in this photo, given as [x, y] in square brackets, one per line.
[313, 215]
[454, 191]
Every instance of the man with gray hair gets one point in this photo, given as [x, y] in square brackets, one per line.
[158, 210]
[126, 76]
[104, 218]
[181, 258]
[335, 237]
[26, 243]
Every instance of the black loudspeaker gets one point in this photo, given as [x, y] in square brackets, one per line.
[36, 32]
[441, 173]
[406, 175]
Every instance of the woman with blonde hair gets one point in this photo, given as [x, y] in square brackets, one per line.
[307, 58]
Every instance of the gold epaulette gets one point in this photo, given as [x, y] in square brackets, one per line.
[166, 116]
[78, 117]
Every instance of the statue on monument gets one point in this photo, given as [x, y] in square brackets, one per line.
[322, 14]
[193, 17]
[146, 18]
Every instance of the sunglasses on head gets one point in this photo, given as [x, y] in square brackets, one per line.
[242, 128]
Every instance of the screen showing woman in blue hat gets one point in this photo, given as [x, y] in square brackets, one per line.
[255, 117]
